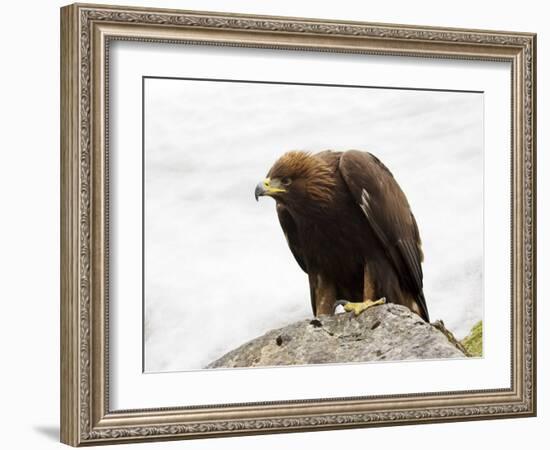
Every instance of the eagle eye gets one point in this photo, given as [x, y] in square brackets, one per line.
[286, 181]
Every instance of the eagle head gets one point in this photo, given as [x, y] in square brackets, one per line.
[298, 179]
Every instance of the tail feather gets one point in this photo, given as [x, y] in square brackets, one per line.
[421, 302]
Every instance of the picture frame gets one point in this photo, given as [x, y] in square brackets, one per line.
[87, 33]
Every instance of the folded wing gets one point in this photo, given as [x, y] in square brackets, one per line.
[388, 213]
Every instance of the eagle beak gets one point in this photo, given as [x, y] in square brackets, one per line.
[260, 189]
[267, 187]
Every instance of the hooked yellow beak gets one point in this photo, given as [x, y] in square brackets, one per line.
[267, 187]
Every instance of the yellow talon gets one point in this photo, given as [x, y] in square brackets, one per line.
[358, 308]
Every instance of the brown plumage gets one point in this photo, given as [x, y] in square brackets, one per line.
[350, 228]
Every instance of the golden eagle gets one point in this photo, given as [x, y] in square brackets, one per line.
[350, 228]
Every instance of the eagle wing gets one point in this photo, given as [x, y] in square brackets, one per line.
[388, 213]
[291, 234]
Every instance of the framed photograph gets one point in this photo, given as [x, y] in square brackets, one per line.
[276, 224]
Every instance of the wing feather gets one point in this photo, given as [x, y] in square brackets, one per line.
[389, 215]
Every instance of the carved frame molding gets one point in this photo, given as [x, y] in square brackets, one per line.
[86, 31]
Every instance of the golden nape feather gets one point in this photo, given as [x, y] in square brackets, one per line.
[319, 175]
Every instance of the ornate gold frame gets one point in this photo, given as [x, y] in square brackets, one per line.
[86, 31]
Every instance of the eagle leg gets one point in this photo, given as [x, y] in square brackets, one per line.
[359, 307]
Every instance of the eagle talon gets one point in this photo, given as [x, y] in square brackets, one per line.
[359, 307]
[342, 303]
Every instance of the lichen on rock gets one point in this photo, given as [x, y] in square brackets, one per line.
[473, 343]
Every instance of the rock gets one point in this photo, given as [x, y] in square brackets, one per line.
[383, 333]
[473, 343]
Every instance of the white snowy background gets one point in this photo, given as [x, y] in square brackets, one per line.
[218, 271]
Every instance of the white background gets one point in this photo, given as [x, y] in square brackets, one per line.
[202, 224]
[30, 239]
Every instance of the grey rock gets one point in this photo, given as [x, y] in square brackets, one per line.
[383, 333]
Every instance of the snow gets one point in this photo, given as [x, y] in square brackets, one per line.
[218, 271]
